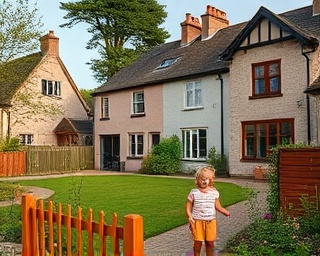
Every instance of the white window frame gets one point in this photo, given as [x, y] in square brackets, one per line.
[136, 144]
[189, 145]
[193, 94]
[25, 139]
[137, 100]
[105, 107]
[51, 88]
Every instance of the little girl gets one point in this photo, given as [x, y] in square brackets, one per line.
[201, 207]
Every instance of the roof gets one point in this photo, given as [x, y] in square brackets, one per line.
[14, 73]
[69, 125]
[203, 57]
[314, 88]
[299, 23]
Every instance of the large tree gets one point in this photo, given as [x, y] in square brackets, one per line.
[120, 29]
[20, 27]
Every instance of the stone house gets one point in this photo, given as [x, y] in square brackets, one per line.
[36, 94]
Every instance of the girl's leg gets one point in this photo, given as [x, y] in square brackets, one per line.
[209, 248]
[197, 248]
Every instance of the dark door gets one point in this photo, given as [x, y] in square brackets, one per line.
[110, 152]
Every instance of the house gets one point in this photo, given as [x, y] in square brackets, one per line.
[209, 89]
[178, 88]
[36, 94]
[272, 61]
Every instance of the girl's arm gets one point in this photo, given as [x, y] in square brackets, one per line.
[219, 208]
[189, 212]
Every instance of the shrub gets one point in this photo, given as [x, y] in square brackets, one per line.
[10, 144]
[164, 157]
[218, 161]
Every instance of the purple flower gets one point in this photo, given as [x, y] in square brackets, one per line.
[267, 216]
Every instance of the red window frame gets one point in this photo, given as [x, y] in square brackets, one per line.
[262, 135]
[269, 75]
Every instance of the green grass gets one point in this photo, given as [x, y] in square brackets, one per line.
[159, 200]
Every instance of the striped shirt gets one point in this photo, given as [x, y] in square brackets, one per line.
[203, 203]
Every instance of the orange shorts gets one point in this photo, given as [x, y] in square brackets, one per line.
[203, 230]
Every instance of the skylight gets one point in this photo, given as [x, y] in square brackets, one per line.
[167, 63]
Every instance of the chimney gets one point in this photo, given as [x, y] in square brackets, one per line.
[50, 44]
[212, 21]
[190, 29]
[316, 7]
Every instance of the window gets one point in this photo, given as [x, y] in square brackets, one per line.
[104, 107]
[138, 102]
[25, 139]
[260, 136]
[194, 143]
[167, 63]
[266, 78]
[155, 139]
[136, 145]
[193, 94]
[51, 88]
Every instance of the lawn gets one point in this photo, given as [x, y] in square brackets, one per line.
[159, 200]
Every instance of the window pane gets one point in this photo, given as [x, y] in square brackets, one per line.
[50, 88]
[274, 84]
[155, 139]
[194, 144]
[259, 87]
[203, 143]
[259, 71]
[286, 133]
[249, 140]
[274, 69]
[133, 145]
[272, 135]
[140, 145]
[261, 140]
[189, 98]
[198, 94]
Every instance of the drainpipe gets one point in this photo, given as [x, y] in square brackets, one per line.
[221, 114]
[308, 97]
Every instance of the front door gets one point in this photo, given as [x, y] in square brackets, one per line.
[110, 152]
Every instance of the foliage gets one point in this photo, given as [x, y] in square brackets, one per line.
[217, 161]
[10, 144]
[86, 94]
[120, 30]
[20, 29]
[164, 157]
[274, 233]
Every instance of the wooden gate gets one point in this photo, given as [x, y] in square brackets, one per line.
[45, 231]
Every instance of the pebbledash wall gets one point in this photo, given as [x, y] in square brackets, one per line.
[293, 83]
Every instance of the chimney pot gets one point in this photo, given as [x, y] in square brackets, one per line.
[50, 44]
[190, 29]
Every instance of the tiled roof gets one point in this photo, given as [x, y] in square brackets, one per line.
[14, 73]
[79, 126]
[314, 88]
[199, 58]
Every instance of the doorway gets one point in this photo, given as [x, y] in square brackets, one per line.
[110, 152]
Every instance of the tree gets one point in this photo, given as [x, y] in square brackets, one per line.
[20, 29]
[86, 94]
[121, 30]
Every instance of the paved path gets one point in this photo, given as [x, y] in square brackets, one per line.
[177, 242]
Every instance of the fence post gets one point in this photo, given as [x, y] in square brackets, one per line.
[28, 202]
[133, 244]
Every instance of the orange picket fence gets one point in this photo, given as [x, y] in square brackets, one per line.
[45, 231]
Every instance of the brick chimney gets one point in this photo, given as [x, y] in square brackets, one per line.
[212, 21]
[316, 7]
[50, 44]
[190, 29]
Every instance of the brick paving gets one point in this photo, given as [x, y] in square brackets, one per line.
[177, 242]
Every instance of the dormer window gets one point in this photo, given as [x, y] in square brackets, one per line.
[167, 63]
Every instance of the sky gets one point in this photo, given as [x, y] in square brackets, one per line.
[73, 40]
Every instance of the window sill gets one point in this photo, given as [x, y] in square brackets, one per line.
[134, 157]
[137, 115]
[194, 160]
[265, 96]
[104, 118]
[194, 108]
[256, 160]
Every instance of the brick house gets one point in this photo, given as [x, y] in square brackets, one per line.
[36, 93]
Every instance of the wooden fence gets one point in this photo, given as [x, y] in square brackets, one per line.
[299, 177]
[13, 163]
[43, 232]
